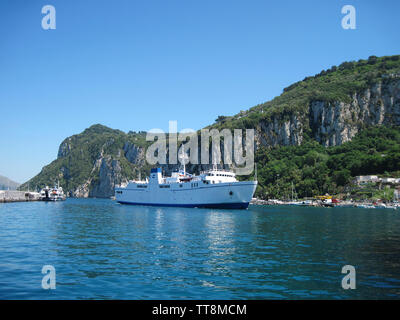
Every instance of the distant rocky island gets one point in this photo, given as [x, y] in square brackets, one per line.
[7, 184]
[315, 137]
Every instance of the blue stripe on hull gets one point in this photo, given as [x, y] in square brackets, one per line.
[236, 205]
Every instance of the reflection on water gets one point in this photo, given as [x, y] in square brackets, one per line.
[220, 229]
[103, 250]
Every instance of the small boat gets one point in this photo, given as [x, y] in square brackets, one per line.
[384, 206]
[52, 194]
[275, 202]
[301, 203]
[365, 206]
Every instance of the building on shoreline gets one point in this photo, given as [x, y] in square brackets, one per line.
[365, 179]
[396, 194]
[360, 180]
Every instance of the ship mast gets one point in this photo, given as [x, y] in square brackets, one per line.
[183, 158]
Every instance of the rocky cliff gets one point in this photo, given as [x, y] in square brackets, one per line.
[334, 122]
[91, 163]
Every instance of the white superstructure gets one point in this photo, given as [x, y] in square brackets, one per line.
[211, 189]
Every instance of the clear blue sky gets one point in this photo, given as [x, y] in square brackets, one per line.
[134, 65]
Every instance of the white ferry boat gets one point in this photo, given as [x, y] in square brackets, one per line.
[211, 189]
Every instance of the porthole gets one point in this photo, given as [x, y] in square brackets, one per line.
[230, 193]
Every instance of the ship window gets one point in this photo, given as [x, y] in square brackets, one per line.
[164, 186]
[141, 186]
[180, 186]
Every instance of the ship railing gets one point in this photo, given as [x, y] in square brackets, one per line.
[218, 170]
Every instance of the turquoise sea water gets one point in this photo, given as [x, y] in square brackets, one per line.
[104, 250]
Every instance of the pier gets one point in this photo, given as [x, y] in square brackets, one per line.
[18, 196]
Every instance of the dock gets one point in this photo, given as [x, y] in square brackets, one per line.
[18, 196]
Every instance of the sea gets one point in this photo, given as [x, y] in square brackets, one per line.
[99, 249]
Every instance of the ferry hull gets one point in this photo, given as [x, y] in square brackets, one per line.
[52, 199]
[235, 195]
[238, 205]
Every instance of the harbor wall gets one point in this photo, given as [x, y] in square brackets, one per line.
[18, 196]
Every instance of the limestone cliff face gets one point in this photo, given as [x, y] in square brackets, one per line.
[64, 149]
[333, 123]
[133, 153]
[82, 191]
[281, 131]
[107, 173]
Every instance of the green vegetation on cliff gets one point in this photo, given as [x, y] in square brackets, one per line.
[315, 170]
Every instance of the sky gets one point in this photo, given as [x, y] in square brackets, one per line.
[135, 65]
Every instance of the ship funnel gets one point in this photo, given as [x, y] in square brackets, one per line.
[155, 175]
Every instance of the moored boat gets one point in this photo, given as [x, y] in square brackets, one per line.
[52, 194]
[365, 206]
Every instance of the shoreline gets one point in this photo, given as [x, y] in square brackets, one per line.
[369, 204]
[9, 196]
